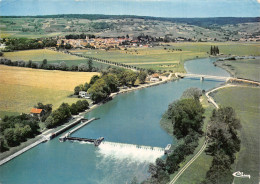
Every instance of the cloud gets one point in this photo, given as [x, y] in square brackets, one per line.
[258, 1]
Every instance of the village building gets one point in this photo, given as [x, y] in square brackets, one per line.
[37, 113]
[84, 94]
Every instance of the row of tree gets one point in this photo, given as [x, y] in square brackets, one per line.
[186, 116]
[82, 67]
[80, 36]
[110, 62]
[214, 50]
[25, 44]
[64, 112]
[100, 88]
[224, 143]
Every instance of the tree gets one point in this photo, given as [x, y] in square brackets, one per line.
[99, 91]
[186, 116]
[82, 67]
[74, 109]
[142, 76]
[90, 65]
[93, 79]
[112, 82]
[44, 62]
[10, 137]
[49, 122]
[223, 132]
[194, 93]
[86, 87]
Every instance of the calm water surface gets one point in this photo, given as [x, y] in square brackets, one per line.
[131, 118]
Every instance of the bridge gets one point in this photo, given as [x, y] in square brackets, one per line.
[202, 77]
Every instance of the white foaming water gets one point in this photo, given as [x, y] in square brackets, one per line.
[130, 152]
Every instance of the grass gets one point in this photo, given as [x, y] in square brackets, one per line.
[196, 172]
[165, 58]
[156, 58]
[248, 69]
[22, 88]
[51, 56]
[233, 48]
[246, 102]
[39, 55]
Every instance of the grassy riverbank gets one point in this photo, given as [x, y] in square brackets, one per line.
[246, 102]
[247, 69]
[197, 170]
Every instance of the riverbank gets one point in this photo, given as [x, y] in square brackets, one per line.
[25, 146]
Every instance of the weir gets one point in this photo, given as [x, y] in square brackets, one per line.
[141, 147]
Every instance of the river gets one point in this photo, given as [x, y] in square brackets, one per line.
[131, 118]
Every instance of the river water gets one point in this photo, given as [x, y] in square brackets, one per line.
[131, 118]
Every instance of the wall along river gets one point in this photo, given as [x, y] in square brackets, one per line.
[131, 118]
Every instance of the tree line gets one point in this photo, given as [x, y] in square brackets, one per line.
[214, 50]
[82, 67]
[25, 43]
[64, 112]
[100, 88]
[224, 143]
[187, 117]
[79, 36]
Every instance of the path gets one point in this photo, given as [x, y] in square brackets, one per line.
[210, 99]
[189, 163]
[22, 151]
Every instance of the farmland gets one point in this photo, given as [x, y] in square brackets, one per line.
[169, 56]
[156, 58]
[51, 56]
[21, 88]
[245, 101]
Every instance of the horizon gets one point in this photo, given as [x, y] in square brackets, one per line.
[138, 16]
[152, 8]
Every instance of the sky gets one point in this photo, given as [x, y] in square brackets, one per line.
[156, 8]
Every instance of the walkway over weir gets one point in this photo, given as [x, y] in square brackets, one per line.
[202, 76]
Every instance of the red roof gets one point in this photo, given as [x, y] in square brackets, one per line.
[36, 111]
[155, 75]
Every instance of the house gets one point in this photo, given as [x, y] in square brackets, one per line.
[37, 112]
[84, 94]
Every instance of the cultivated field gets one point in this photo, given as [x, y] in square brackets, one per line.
[168, 56]
[21, 88]
[246, 103]
[157, 58]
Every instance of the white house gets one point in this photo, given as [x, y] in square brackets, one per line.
[84, 94]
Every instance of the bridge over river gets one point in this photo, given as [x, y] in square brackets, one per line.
[202, 77]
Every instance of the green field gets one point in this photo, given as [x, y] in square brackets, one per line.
[196, 172]
[246, 102]
[248, 69]
[232, 48]
[156, 58]
[168, 56]
[51, 56]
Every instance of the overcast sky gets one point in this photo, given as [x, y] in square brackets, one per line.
[158, 8]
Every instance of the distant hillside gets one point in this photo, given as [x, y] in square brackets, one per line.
[203, 22]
